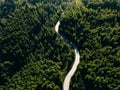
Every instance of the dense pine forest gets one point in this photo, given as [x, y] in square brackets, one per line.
[34, 57]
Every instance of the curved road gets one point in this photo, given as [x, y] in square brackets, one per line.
[67, 79]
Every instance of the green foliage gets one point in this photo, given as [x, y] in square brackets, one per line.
[94, 27]
[28, 42]
[43, 74]
[32, 56]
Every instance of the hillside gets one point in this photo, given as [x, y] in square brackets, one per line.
[32, 56]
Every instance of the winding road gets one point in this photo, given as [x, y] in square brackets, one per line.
[67, 79]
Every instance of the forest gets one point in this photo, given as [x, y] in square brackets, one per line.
[34, 57]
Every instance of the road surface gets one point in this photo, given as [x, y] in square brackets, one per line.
[66, 83]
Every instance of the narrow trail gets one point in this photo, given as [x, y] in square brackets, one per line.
[67, 79]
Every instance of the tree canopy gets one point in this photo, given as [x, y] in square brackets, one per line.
[33, 56]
